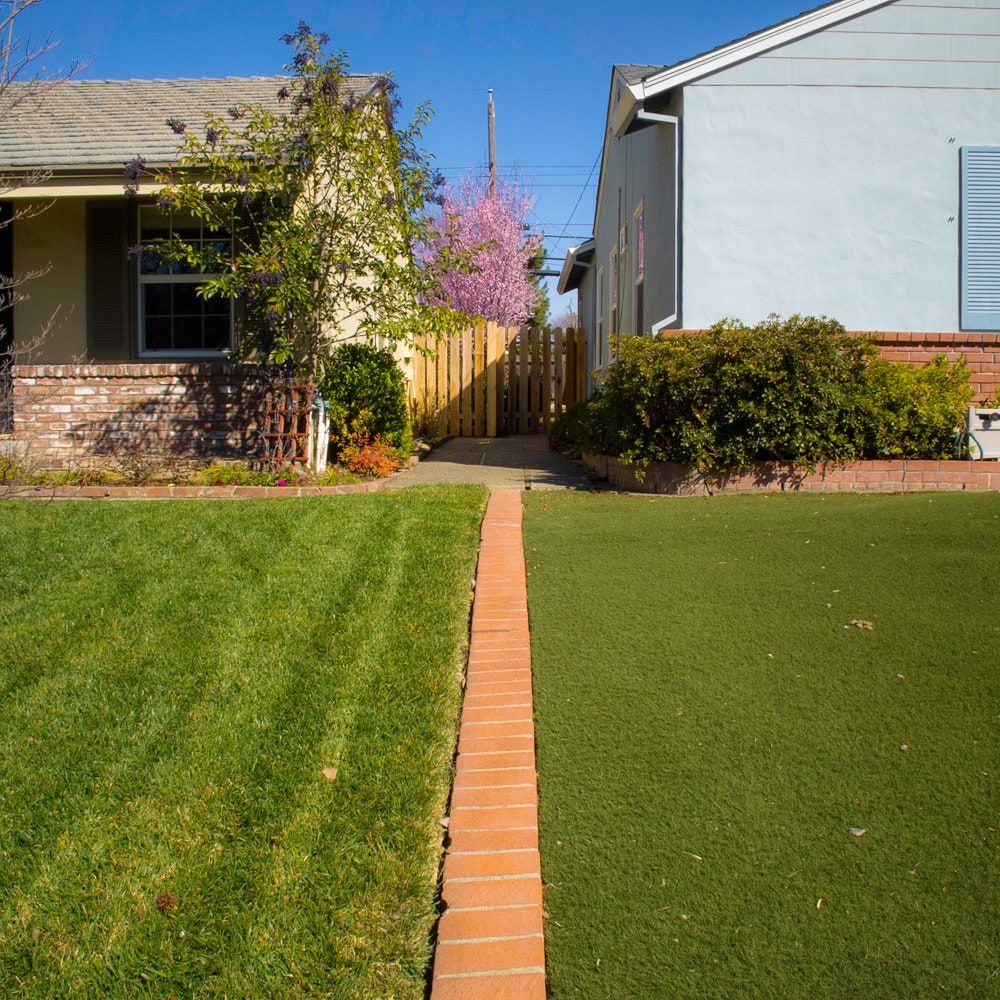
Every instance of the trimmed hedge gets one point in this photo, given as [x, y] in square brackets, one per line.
[365, 392]
[799, 391]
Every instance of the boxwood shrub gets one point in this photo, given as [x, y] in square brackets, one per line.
[365, 392]
[799, 391]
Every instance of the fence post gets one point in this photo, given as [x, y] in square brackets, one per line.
[467, 383]
[558, 364]
[546, 378]
[524, 414]
[453, 385]
[512, 386]
[493, 368]
[570, 367]
[478, 379]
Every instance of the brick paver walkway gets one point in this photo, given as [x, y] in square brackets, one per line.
[490, 943]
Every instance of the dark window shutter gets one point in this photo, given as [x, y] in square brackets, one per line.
[107, 281]
[981, 238]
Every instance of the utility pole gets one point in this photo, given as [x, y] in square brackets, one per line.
[491, 116]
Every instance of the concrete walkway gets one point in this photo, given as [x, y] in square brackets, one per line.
[512, 463]
[490, 944]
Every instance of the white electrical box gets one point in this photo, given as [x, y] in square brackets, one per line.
[984, 432]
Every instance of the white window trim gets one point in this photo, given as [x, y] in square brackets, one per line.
[175, 279]
[599, 361]
[613, 302]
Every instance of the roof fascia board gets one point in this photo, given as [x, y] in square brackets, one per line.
[621, 113]
[572, 261]
[757, 44]
[605, 149]
[605, 153]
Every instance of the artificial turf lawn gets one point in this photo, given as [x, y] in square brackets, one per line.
[709, 733]
[173, 679]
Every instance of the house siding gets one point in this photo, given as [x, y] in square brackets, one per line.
[824, 177]
[53, 245]
[638, 168]
[586, 305]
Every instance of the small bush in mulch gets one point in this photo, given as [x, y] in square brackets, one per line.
[800, 391]
[370, 456]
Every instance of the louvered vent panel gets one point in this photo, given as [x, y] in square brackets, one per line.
[981, 238]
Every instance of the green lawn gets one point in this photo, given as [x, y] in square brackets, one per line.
[174, 678]
[709, 733]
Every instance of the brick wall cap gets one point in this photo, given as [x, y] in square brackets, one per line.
[135, 370]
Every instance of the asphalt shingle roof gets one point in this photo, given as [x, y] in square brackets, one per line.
[635, 72]
[108, 122]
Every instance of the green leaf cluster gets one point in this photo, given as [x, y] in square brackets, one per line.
[365, 393]
[800, 391]
[326, 197]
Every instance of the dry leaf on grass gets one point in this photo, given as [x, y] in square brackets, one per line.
[165, 902]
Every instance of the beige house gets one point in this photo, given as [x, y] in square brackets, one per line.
[113, 342]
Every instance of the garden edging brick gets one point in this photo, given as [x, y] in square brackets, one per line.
[202, 492]
[490, 943]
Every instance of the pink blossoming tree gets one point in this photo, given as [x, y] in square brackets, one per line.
[490, 229]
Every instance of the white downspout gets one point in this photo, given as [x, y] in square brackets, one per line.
[649, 116]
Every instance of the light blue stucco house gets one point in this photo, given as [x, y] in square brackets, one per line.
[843, 163]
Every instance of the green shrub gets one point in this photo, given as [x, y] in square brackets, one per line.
[799, 391]
[365, 392]
[334, 475]
[916, 411]
[240, 474]
[13, 474]
[572, 432]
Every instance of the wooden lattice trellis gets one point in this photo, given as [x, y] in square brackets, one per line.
[287, 422]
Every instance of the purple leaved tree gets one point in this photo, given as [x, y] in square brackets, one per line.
[496, 282]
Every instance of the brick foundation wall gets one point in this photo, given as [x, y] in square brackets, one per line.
[885, 476]
[91, 415]
[980, 350]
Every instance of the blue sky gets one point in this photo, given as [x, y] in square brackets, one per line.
[549, 65]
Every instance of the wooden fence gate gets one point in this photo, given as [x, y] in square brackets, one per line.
[493, 380]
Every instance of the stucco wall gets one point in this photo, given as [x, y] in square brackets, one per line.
[824, 177]
[54, 239]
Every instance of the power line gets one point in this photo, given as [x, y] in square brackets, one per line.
[525, 166]
[583, 191]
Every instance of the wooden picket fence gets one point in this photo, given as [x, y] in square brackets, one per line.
[492, 380]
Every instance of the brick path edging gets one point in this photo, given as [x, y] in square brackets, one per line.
[490, 944]
[202, 492]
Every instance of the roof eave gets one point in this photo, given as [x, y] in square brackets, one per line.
[568, 281]
[624, 111]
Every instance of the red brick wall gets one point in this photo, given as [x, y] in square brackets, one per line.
[981, 351]
[97, 414]
[882, 476]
